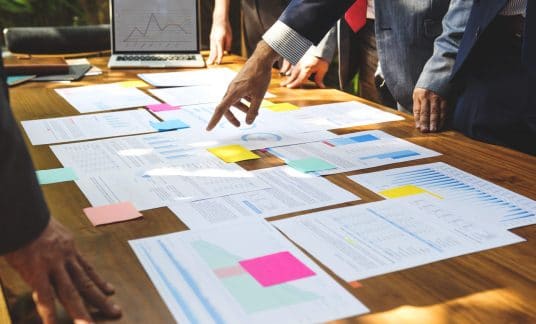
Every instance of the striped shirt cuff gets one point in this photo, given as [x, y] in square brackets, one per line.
[287, 42]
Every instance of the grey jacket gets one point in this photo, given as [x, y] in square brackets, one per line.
[417, 42]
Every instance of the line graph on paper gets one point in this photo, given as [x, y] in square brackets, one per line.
[155, 25]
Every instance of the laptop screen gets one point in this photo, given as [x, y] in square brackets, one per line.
[154, 26]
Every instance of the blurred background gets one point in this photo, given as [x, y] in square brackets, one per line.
[30, 13]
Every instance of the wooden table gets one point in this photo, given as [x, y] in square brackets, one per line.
[495, 286]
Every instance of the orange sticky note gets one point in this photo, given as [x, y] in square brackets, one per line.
[111, 213]
[133, 84]
[233, 153]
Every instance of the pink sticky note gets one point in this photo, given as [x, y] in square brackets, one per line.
[276, 269]
[111, 213]
[162, 107]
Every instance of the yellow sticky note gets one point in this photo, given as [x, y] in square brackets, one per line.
[133, 84]
[266, 103]
[282, 107]
[233, 153]
[405, 191]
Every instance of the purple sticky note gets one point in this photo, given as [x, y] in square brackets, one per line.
[162, 107]
[276, 269]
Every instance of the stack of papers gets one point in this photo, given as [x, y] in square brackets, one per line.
[85, 127]
[245, 273]
[290, 191]
[377, 238]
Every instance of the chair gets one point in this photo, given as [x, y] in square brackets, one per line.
[65, 41]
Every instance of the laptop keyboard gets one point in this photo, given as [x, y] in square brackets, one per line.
[181, 57]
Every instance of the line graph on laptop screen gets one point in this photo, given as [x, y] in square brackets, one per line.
[155, 25]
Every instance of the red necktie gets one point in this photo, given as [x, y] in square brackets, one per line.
[356, 16]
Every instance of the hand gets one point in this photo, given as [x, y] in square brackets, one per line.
[286, 68]
[429, 110]
[251, 84]
[307, 66]
[52, 266]
[221, 36]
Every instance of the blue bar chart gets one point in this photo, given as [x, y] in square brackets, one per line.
[457, 186]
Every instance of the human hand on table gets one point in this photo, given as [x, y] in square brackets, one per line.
[429, 110]
[307, 66]
[221, 36]
[251, 84]
[53, 268]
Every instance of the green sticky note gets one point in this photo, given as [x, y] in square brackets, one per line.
[56, 175]
[310, 165]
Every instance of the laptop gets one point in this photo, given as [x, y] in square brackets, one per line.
[155, 34]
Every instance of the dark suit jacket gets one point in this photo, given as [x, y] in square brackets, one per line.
[482, 14]
[23, 212]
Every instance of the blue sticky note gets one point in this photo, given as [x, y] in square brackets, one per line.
[169, 125]
[55, 176]
[310, 165]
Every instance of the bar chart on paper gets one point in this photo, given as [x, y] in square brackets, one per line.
[446, 182]
[356, 151]
[247, 275]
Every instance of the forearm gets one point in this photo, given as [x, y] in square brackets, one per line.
[436, 73]
[327, 46]
[24, 214]
[221, 10]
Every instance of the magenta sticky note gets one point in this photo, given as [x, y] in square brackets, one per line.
[111, 213]
[162, 107]
[276, 269]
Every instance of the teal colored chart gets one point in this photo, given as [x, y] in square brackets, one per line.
[244, 288]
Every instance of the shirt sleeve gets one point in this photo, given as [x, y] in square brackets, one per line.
[302, 24]
[287, 42]
[23, 211]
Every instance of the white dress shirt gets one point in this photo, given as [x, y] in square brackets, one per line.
[514, 8]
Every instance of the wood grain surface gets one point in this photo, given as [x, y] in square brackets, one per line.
[495, 286]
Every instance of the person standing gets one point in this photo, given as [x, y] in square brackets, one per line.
[496, 71]
[39, 248]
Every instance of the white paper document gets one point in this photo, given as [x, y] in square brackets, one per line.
[194, 95]
[85, 127]
[356, 151]
[219, 76]
[241, 274]
[290, 191]
[340, 115]
[124, 153]
[368, 240]
[201, 176]
[487, 201]
[104, 97]
[269, 130]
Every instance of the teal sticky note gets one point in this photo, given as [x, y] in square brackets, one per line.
[169, 125]
[56, 175]
[310, 165]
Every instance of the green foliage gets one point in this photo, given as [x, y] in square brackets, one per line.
[15, 6]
